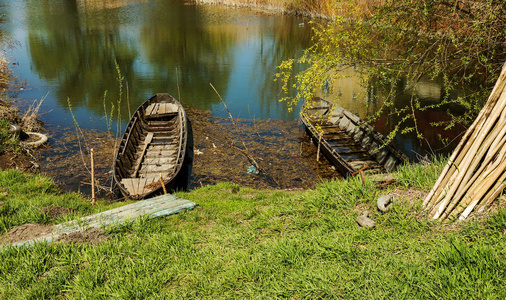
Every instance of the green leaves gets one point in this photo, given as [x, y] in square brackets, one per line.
[406, 41]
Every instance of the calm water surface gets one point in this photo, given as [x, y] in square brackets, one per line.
[69, 51]
[72, 52]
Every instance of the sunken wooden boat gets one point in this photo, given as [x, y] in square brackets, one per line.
[157, 147]
[348, 142]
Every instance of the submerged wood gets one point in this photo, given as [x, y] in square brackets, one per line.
[157, 142]
[348, 142]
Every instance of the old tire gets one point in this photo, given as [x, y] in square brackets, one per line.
[41, 139]
[14, 129]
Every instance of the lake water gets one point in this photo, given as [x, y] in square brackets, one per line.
[72, 52]
[69, 51]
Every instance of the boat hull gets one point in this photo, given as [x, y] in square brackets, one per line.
[347, 142]
[156, 148]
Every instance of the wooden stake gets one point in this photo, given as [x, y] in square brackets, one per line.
[361, 169]
[318, 151]
[93, 200]
[362, 176]
[163, 184]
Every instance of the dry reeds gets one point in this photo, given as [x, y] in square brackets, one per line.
[5, 71]
[475, 174]
[30, 117]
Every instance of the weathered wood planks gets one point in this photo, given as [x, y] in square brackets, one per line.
[163, 205]
[161, 109]
[346, 140]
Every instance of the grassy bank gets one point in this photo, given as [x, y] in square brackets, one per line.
[320, 8]
[244, 243]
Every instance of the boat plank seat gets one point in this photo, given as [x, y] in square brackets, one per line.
[333, 130]
[169, 108]
[156, 168]
[331, 135]
[162, 146]
[350, 151]
[159, 160]
[157, 110]
[152, 174]
[162, 123]
[159, 154]
[165, 138]
[152, 109]
[137, 185]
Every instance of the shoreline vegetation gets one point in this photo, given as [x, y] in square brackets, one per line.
[325, 9]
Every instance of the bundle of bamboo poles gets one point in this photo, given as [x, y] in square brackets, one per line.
[476, 171]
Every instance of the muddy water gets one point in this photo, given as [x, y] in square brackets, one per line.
[281, 148]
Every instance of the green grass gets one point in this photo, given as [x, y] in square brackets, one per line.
[6, 140]
[243, 243]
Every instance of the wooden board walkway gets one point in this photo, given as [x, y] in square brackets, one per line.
[163, 205]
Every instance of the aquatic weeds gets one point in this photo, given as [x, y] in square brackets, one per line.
[108, 119]
[29, 120]
[120, 79]
[80, 137]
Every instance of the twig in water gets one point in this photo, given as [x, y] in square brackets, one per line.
[178, 90]
[128, 101]
[100, 187]
[246, 152]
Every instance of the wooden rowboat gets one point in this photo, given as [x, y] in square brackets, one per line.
[157, 146]
[346, 141]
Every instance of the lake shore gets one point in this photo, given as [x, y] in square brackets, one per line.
[325, 9]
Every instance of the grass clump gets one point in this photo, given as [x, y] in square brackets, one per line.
[7, 141]
[244, 243]
[23, 198]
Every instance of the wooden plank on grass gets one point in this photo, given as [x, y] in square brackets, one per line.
[163, 205]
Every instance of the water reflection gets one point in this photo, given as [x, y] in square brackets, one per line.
[350, 93]
[72, 47]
